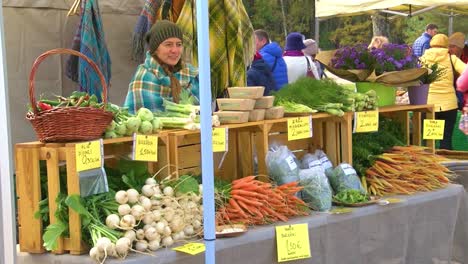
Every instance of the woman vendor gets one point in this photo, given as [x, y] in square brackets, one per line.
[163, 74]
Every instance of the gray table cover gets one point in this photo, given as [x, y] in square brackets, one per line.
[419, 230]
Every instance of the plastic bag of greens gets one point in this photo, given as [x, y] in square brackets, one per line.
[311, 161]
[326, 163]
[282, 165]
[344, 177]
[317, 192]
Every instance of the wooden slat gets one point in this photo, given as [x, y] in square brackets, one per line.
[245, 153]
[188, 156]
[29, 193]
[53, 184]
[331, 147]
[73, 186]
[347, 139]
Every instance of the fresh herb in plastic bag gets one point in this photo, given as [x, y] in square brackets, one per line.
[317, 192]
[282, 165]
[344, 177]
[326, 163]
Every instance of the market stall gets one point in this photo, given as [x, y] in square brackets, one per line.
[301, 147]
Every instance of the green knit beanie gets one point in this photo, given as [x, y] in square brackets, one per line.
[160, 31]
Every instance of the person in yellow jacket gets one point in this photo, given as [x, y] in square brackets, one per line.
[442, 91]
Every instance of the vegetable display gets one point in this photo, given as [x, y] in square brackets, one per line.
[406, 170]
[252, 202]
[325, 96]
[351, 196]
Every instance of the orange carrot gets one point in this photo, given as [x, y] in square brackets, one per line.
[236, 206]
[245, 179]
[245, 200]
[248, 194]
[278, 215]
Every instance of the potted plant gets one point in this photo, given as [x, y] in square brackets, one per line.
[418, 93]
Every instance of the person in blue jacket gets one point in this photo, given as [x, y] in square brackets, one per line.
[273, 55]
[259, 74]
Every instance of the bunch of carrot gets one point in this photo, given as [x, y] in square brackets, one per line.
[254, 202]
[406, 170]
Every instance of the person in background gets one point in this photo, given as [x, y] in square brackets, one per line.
[259, 74]
[456, 44]
[422, 43]
[441, 92]
[311, 51]
[464, 56]
[297, 63]
[378, 42]
[272, 53]
[163, 74]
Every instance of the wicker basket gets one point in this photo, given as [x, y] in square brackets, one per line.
[66, 124]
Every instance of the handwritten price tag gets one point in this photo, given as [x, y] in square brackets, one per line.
[292, 242]
[145, 147]
[88, 155]
[299, 128]
[220, 139]
[191, 248]
[367, 121]
[433, 129]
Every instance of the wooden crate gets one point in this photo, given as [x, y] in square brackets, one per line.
[237, 162]
[28, 187]
[401, 114]
[331, 133]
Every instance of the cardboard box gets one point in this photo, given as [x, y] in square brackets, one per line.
[256, 115]
[249, 92]
[264, 102]
[274, 112]
[230, 104]
[232, 117]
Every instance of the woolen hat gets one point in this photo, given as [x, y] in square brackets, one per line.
[457, 39]
[439, 40]
[311, 47]
[294, 41]
[160, 31]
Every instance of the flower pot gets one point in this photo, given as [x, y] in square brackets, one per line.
[418, 94]
[386, 94]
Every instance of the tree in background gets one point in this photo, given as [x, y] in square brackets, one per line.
[347, 30]
[280, 17]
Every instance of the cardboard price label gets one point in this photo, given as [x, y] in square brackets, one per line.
[299, 127]
[145, 147]
[367, 121]
[292, 242]
[88, 155]
[433, 129]
[220, 139]
[191, 248]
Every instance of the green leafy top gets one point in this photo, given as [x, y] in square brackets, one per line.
[184, 184]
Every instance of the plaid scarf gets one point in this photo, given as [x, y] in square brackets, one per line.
[93, 46]
[145, 21]
[151, 84]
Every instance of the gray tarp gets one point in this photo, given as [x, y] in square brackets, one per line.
[419, 230]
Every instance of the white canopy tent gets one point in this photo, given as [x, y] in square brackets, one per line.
[408, 8]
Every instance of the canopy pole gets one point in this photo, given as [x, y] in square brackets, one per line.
[7, 223]
[206, 130]
[450, 26]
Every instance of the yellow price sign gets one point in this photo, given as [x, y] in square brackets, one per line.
[299, 127]
[292, 242]
[367, 121]
[145, 147]
[191, 248]
[220, 139]
[433, 129]
[88, 155]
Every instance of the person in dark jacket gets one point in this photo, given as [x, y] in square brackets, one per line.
[272, 54]
[259, 74]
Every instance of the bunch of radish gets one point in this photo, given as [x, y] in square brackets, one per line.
[153, 218]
